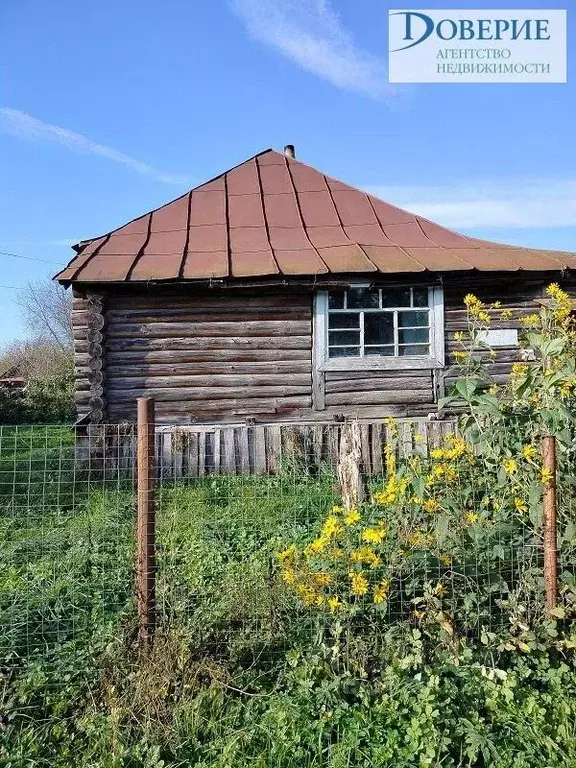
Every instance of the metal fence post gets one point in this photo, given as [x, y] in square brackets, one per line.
[549, 522]
[146, 576]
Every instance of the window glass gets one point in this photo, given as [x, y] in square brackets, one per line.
[363, 298]
[345, 352]
[414, 349]
[343, 338]
[369, 322]
[344, 320]
[396, 297]
[336, 300]
[371, 351]
[378, 328]
[412, 335]
[412, 319]
[420, 297]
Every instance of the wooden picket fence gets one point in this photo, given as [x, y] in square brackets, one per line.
[202, 450]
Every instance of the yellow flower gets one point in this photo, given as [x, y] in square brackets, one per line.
[458, 336]
[460, 356]
[485, 317]
[496, 305]
[334, 603]
[440, 590]
[306, 594]
[547, 476]
[331, 526]
[510, 466]
[528, 452]
[471, 518]
[322, 579]
[352, 517]
[317, 546]
[506, 314]
[380, 591]
[431, 505]
[365, 555]
[374, 535]
[337, 510]
[358, 583]
[530, 319]
[445, 559]
[289, 575]
[287, 556]
[519, 369]
[520, 505]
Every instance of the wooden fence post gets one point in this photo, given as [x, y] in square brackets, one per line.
[146, 576]
[549, 522]
[349, 466]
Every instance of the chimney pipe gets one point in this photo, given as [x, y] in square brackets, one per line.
[289, 151]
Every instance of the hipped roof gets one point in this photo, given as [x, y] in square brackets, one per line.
[273, 215]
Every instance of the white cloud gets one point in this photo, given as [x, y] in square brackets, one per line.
[510, 204]
[24, 126]
[310, 33]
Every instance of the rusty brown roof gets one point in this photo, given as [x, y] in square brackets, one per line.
[273, 215]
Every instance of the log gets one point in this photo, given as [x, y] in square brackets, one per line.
[349, 466]
[378, 398]
[177, 330]
[231, 342]
[201, 381]
[200, 369]
[205, 394]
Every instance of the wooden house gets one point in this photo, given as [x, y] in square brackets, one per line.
[274, 293]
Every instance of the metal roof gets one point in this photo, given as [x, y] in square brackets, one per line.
[273, 215]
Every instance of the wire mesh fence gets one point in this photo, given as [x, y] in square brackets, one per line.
[250, 563]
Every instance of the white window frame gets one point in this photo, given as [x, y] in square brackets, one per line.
[434, 360]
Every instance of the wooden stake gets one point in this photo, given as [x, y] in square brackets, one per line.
[146, 577]
[549, 522]
[349, 466]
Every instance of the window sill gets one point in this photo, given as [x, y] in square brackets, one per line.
[381, 364]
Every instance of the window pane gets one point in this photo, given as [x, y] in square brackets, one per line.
[379, 328]
[363, 298]
[344, 320]
[336, 300]
[410, 319]
[396, 297]
[338, 338]
[413, 335]
[379, 351]
[414, 349]
[344, 352]
[420, 297]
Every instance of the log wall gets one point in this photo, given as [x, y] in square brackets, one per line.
[239, 355]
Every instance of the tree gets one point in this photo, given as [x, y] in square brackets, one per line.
[46, 309]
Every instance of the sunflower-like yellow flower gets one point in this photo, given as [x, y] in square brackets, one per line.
[358, 583]
[528, 452]
[365, 555]
[322, 579]
[331, 526]
[506, 314]
[510, 466]
[546, 476]
[519, 369]
[520, 505]
[381, 591]
[471, 518]
[317, 546]
[374, 535]
[334, 603]
[445, 559]
[352, 517]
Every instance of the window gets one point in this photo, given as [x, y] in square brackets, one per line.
[367, 327]
[392, 322]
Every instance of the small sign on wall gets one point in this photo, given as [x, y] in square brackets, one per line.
[502, 337]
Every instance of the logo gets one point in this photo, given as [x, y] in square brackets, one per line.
[464, 46]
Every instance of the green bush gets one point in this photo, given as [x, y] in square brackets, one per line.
[46, 400]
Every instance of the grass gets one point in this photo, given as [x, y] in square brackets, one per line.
[239, 677]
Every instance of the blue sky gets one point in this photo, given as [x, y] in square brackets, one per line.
[110, 109]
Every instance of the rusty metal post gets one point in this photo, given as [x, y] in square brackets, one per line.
[549, 522]
[146, 576]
